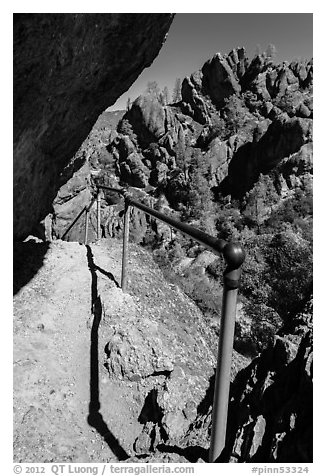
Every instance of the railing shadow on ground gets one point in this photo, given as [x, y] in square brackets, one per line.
[95, 418]
[107, 274]
[234, 256]
[191, 453]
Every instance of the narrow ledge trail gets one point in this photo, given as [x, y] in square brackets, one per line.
[67, 408]
[52, 362]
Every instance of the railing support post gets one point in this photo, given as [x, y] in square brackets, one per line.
[234, 256]
[125, 246]
[86, 226]
[99, 215]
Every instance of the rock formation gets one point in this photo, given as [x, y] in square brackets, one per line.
[145, 346]
[270, 412]
[67, 69]
[238, 123]
[242, 118]
[271, 409]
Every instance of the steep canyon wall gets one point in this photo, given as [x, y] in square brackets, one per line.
[68, 68]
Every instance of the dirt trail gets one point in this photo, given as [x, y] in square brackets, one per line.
[55, 347]
[72, 404]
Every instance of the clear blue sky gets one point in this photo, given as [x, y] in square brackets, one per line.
[195, 37]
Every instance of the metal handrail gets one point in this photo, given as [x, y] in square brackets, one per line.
[233, 254]
[73, 223]
[84, 210]
[91, 204]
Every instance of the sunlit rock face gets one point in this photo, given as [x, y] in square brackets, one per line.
[67, 69]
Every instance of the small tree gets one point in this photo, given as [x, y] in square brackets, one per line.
[289, 259]
[258, 50]
[153, 89]
[125, 128]
[165, 96]
[176, 95]
[180, 150]
[260, 200]
[270, 53]
[234, 113]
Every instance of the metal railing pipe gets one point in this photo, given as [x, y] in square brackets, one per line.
[91, 203]
[125, 247]
[73, 223]
[234, 256]
[215, 245]
[88, 209]
[99, 215]
[84, 210]
[86, 226]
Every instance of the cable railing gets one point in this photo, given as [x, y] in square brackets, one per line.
[233, 254]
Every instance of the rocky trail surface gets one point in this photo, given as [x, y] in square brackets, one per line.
[100, 375]
[53, 320]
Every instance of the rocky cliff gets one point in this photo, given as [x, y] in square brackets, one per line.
[270, 412]
[237, 119]
[234, 156]
[67, 69]
[271, 409]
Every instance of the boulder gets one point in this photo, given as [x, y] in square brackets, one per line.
[303, 111]
[296, 170]
[286, 81]
[134, 172]
[178, 399]
[309, 79]
[123, 146]
[150, 120]
[159, 174]
[218, 158]
[219, 80]
[67, 69]
[238, 61]
[303, 71]
[69, 202]
[136, 349]
[283, 137]
[192, 98]
[257, 65]
[300, 70]
[271, 77]
[271, 411]
[259, 87]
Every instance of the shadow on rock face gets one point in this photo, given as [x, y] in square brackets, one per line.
[28, 258]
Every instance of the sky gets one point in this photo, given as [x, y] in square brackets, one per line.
[193, 38]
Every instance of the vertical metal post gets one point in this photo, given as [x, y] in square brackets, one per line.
[234, 257]
[99, 215]
[86, 226]
[125, 246]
